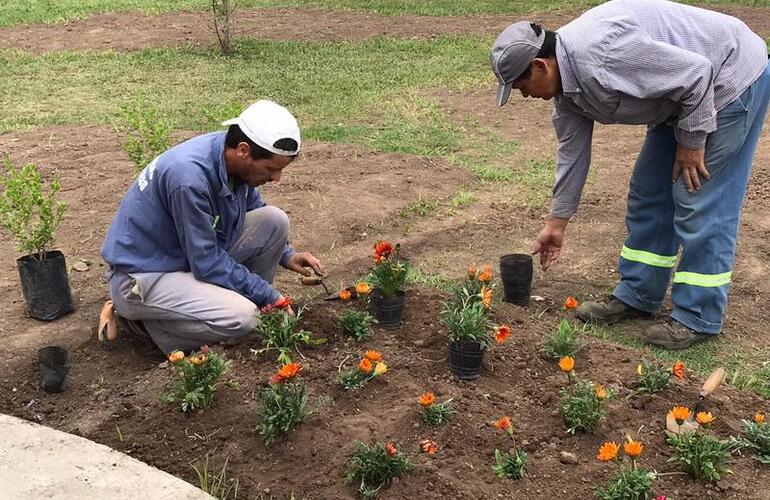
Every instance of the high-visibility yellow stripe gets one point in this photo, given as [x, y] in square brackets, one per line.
[648, 258]
[707, 280]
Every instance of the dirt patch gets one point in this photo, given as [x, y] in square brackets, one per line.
[133, 31]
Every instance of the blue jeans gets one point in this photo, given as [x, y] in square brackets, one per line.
[662, 217]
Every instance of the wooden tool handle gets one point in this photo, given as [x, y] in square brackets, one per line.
[310, 281]
[711, 383]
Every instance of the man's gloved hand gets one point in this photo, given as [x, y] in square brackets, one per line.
[689, 163]
[300, 261]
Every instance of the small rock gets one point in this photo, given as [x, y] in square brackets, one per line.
[418, 343]
[552, 446]
[568, 458]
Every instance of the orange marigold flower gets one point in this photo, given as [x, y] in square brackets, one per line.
[608, 451]
[680, 414]
[486, 297]
[380, 369]
[365, 366]
[567, 363]
[427, 399]
[373, 355]
[289, 371]
[472, 272]
[283, 302]
[362, 288]
[345, 294]
[759, 418]
[601, 392]
[633, 448]
[503, 423]
[428, 446]
[571, 303]
[390, 449]
[176, 356]
[678, 370]
[198, 359]
[486, 273]
[704, 418]
[501, 333]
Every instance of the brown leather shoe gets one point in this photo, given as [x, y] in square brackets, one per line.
[608, 311]
[671, 334]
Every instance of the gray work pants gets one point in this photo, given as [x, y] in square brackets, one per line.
[180, 312]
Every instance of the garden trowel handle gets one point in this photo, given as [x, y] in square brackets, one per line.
[314, 281]
[711, 383]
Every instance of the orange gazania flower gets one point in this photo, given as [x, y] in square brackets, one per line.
[633, 448]
[390, 449]
[345, 294]
[486, 273]
[759, 418]
[571, 303]
[504, 423]
[608, 451]
[289, 371]
[382, 250]
[471, 272]
[678, 370]
[567, 363]
[176, 356]
[486, 297]
[428, 446]
[601, 392]
[373, 355]
[427, 399]
[365, 366]
[380, 369]
[362, 288]
[198, 359]
[283, 302]
[501, 333]
[704, 418]
[680, 413]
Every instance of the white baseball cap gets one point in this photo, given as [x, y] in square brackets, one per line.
[512, 54]
[266, 123]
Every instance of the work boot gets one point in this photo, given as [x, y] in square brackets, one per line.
[671, 334]
[607, 311]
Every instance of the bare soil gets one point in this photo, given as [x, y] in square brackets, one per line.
[340, 200]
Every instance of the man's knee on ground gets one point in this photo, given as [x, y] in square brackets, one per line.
[274, 218]
[240, 321]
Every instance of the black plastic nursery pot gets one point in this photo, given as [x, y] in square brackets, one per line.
[516, 275]
[54, 367]
[388, 310]
[45, 285]
[466, 358]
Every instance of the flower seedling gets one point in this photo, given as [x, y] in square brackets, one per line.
[512, 463]
[283, 403]
[562, 342]
[434, 413]
[390, 271]
[701, 454]
[654, 378]
[197, 377]
[278, 328]
[756, 437]
[370, 367]
[582, 403]
[373, 467]
[632, 481]
[356, 324]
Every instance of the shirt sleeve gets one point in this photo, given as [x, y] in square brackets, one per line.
[644, 68]
[573, 159]
[192, 213]
[255, 201]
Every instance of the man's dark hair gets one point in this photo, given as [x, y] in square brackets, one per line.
[236, 136]
[548, 49]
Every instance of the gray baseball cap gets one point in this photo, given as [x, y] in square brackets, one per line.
[512, 53]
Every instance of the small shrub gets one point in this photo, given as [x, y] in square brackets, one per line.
[756, 438]
[278, 329]
[562, 342]
[223, 23]
[390, 271]
[356, 324]
[370, 367]
[27, 210]
[375, 466]
[148, 134]
[511, 464]
[701, 455]
[654, 378]
[197, 378]
[434, 413]
[582, 404]
[283, 403]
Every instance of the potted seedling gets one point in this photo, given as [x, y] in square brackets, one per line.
[31, 213]
[387, 278]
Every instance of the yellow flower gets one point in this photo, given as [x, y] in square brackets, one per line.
[633, 448]
[566, 364]
[176, 356]
[704, 418]
[601, 392]
[759, 418]
[639, 369]
[608, 451]
[380, 369]
[198, 359]
[680, 414]
[362, 288]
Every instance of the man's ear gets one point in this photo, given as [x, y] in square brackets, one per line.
[539, 65]
[243, 149]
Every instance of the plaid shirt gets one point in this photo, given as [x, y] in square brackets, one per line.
[645, 62]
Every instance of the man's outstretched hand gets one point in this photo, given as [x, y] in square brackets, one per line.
[549, 241]
[301, 261]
